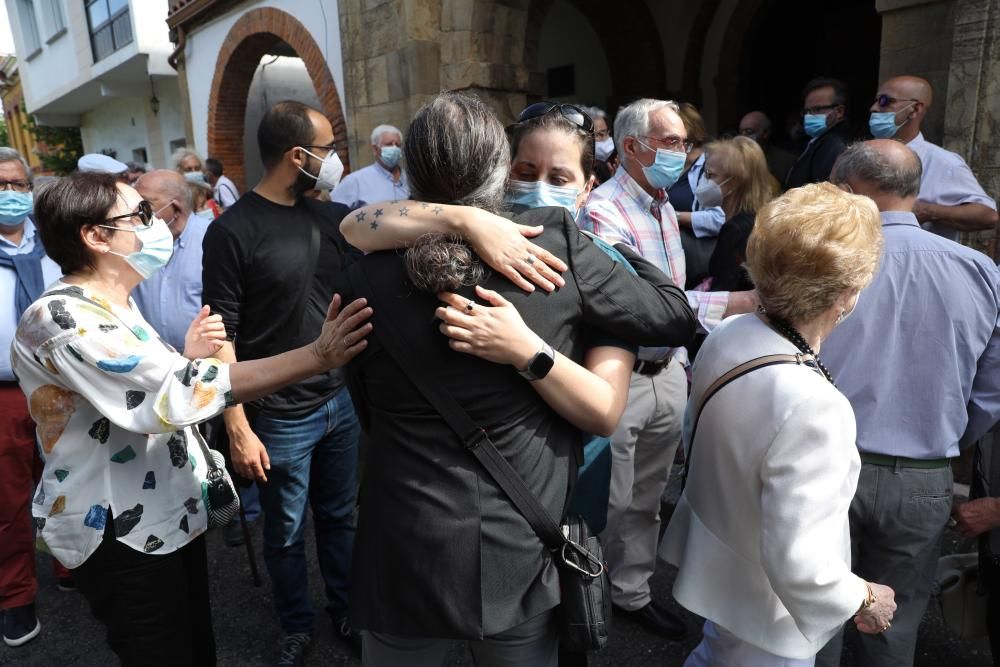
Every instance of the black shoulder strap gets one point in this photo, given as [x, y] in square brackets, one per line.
[474, 438]
[726, 378]
[294, 323]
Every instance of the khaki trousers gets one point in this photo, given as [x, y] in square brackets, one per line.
[642, 450]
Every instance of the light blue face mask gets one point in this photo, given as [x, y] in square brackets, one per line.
[814, 124]
[536, 194]
[15, 207]
[157, 247]
[195, 177]
[390, 155]
[666, 168]
[882, 124]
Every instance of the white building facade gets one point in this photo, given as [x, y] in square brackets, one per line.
[101, 65]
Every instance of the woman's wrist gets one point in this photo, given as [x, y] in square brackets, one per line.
[525, 350]
[869, 601]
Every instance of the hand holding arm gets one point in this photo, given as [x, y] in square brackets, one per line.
[502, 244]
[874, 618]
[205, 336]
[591, 398]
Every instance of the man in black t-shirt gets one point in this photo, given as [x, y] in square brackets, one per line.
[301, 443]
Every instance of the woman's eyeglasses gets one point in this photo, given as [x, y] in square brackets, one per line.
[570, 112]
[144, 211]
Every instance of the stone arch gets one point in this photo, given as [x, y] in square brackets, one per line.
[631, 43]
[254, 35]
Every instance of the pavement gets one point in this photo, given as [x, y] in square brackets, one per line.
[247, 634]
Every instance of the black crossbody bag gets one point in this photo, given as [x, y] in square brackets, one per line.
[584, 613]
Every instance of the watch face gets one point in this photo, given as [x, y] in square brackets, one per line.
[541, 365]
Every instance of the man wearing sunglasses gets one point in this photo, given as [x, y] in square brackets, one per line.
[270, 263]
[950, 199]
[824, 119]
[632, 208]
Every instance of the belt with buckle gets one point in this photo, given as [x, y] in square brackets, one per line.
[903, 462]
[649, 367]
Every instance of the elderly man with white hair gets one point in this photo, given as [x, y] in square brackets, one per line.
[632, 208]
[380, 181]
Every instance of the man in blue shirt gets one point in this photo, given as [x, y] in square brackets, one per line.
[171, 299]
[25, 271]
[383, 180]
[919, 359]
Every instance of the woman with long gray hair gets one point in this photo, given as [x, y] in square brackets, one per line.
[441, 552]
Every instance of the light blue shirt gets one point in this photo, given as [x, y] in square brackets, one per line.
[704, 221]
[919, 358]
[370, 185]
[947, 181]
[171, 298]
[8, 311]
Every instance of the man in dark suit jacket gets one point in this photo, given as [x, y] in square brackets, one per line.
[824, 117]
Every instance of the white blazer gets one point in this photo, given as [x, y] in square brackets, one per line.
[761, 534]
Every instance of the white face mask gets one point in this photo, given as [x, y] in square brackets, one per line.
[709, 193]
[330, 170]
[604, 148]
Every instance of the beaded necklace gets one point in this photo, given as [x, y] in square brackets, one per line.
[791, 333]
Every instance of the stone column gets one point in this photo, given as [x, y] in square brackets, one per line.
[400, 53]
[973, 103]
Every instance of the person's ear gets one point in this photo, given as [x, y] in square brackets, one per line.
[630, 147]
[95, 238]
[298, 156]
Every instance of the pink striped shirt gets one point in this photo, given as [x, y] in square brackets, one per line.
[620, 211]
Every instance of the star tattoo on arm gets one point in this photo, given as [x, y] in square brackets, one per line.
[374, 224]
[437, 210]
[424, 205]
[360, 217]
[378, 212]
[404, 212]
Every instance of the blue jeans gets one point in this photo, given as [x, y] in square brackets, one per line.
[314, 458]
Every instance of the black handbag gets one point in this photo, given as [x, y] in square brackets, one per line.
[584, 613]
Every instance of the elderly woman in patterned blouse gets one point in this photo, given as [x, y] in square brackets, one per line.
[121, 496]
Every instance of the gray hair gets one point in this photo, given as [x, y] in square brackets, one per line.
[385, 129]
[8, 154]
[633, 120]
[863, 162]
[181, 154]
[595, 112]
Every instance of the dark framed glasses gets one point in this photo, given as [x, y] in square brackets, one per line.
[570, 112]
[884, 101]
[144, 211]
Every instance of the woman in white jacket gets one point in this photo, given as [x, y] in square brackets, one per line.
[760, 534]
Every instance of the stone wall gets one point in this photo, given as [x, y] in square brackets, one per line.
[972, 121]
[400, 53]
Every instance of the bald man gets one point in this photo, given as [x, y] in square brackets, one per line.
[919, 360]
[951, 199]
[171, 298]
[757, 126]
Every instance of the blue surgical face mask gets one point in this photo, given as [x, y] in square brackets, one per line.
[390, 155]
[195, 177]
[666, 168]
[157, 247]
[15, 207]
[882, 124]
[536, 194]
[814, 124]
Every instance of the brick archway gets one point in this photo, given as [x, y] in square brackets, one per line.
[255, 34]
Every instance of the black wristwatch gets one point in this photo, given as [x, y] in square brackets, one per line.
[540, 364]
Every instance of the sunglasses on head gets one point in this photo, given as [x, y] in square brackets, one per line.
[570, 112]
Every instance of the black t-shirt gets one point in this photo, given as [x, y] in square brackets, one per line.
[252, 273]
[726, 265]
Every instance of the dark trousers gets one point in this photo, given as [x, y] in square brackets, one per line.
[155, 608]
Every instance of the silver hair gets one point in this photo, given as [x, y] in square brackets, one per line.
[180, 154]
[384, 129]
[595, 112]
[633, 120]
[862, 162]
[8, 154]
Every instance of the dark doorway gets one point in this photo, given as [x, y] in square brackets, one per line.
[785, 43]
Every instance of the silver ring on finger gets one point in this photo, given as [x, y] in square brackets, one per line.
[469, 307]
[530, 259]
[346, 343]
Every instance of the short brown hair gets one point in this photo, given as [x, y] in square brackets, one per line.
[65, 207]
[809, 246]
[694, 124]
